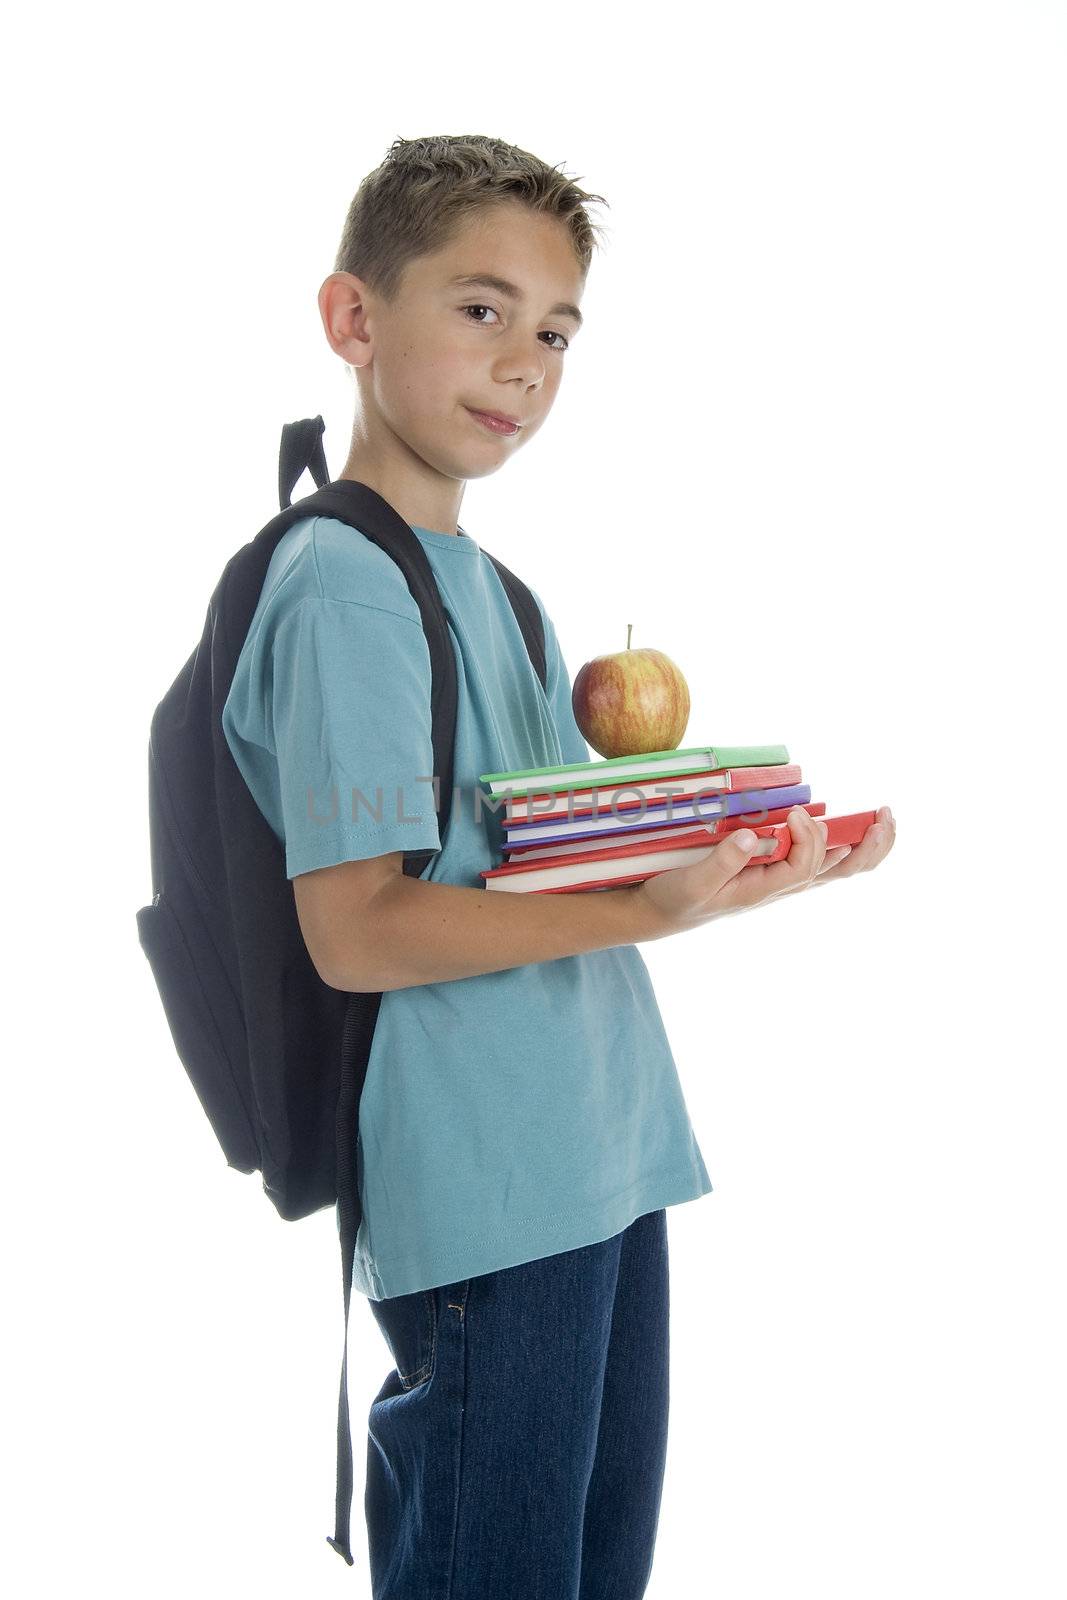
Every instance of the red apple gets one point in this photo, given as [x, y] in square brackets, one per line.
[630, 703]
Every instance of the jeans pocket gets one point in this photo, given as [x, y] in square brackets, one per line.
[409, 1324]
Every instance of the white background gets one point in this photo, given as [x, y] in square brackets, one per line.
[811, 444]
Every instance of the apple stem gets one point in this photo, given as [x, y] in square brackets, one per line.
[629, 630]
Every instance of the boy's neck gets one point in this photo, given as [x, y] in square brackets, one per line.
[418, 511]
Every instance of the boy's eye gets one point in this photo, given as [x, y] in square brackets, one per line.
[566, 342]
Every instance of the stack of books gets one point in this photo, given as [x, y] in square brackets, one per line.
[600, 824]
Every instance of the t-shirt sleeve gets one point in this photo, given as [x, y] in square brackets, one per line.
[349, 715]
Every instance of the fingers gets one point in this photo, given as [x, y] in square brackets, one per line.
[808, 849]
[722, 882]
[872, 848]
[734, 853]
[803, 863]
[711, 883]
[877, 841]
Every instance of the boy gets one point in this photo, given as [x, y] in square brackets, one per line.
[522, 1125]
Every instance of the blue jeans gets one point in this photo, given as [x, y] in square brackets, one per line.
[516, 1450]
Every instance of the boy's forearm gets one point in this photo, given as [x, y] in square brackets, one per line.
[419, 932]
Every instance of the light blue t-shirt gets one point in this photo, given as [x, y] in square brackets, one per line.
[508, 1116]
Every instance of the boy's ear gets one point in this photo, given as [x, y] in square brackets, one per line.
[343, 312]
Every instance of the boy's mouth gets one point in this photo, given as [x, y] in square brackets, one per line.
[494, 421]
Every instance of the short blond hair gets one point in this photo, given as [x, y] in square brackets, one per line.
[414, 203]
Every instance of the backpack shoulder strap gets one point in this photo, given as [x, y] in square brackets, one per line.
[237, 594]
[366, 510]
[301, 449]
[527, 614]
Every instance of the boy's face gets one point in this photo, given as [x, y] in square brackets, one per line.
[443, 349]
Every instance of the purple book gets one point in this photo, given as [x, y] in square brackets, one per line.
[753, 803]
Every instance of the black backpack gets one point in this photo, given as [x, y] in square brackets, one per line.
[277, 1057]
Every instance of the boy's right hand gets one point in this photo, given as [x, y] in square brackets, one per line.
[685, 897]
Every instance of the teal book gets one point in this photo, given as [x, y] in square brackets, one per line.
[646, 766]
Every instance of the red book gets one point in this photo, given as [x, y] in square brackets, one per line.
[568, 848]
[611, 868]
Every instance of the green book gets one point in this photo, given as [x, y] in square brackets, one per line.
[650, 766]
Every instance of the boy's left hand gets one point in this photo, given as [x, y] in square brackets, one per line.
[845, 862]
